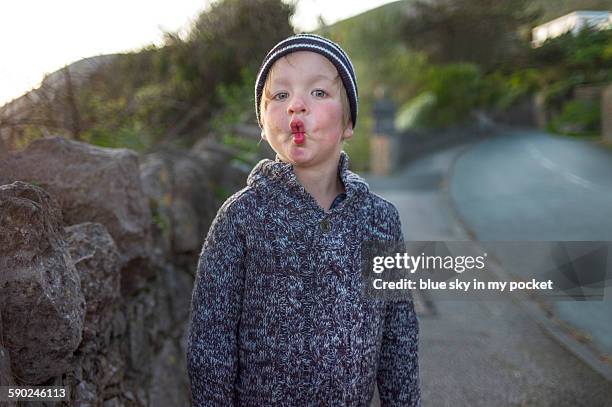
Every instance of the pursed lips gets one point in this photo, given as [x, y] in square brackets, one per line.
[298, 131]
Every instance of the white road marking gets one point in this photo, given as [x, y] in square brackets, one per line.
[550, 165]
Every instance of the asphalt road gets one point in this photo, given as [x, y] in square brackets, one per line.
[533, 186]
[475, 352]
[528, 185]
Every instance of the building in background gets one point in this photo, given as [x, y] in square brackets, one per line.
[574, 22]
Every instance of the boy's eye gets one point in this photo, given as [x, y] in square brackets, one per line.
[280, 96]
[319, 92]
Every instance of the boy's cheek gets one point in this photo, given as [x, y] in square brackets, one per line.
[330, 117]
[333, 110]
[275, 128]
[273, 115]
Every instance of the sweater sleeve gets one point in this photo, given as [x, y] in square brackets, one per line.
[398, 368]
[212, 354]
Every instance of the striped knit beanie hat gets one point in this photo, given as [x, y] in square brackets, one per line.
[320, 45]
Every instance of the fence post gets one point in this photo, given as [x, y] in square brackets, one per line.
[384, 152]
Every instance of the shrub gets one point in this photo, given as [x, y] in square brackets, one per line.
[457, 89]
[578, 118]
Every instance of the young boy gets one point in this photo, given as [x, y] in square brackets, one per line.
[278, 316]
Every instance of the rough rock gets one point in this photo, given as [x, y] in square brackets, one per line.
[176, 283]
[179, 190]
[169, 384]
[85, 395]
[41, 302]
[6, 374]
[129, 348]
[96, 258]
[225, 170]
[6, 377]
[91, 184]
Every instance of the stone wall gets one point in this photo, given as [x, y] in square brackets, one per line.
[98, 251]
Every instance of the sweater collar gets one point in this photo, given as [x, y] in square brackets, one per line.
[282, 173]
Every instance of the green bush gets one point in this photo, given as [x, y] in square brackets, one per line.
[501, 90]
[236, 103]
[457, 89]
[578, 118]
[588, 53]
[168, 94]
[559, 92]
[230, 36]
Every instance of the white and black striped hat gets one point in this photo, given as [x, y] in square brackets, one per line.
[320, 45]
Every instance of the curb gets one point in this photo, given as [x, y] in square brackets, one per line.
[558, 330]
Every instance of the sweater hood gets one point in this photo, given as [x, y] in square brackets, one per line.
[278, 173]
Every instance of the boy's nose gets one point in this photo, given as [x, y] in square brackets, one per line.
[296, 105]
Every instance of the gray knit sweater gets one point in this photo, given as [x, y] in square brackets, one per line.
[278, 317]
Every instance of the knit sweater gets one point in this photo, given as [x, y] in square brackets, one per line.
[278, 317]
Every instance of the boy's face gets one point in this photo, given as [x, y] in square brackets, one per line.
[303, 89]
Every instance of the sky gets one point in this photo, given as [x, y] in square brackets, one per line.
[38, 37]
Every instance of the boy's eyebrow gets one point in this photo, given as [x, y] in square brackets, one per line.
[321, 76]
[314, 78]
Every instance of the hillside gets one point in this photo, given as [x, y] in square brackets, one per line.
[174, 91]
[382, 23]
